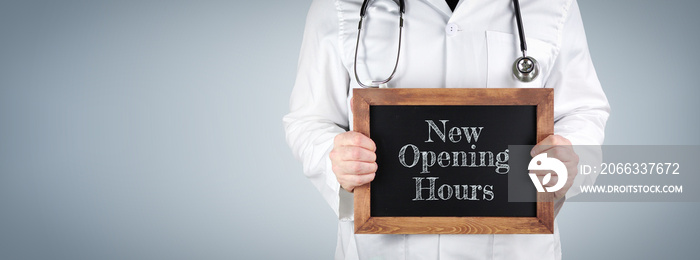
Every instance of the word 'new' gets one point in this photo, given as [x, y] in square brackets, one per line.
[455, 134]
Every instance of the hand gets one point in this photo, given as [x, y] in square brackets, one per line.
[353, 160]
[558, 147]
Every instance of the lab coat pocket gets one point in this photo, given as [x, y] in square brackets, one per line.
[503, 49]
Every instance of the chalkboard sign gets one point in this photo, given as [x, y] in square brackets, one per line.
[443, 160]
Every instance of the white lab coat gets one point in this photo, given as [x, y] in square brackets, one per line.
[477, 51]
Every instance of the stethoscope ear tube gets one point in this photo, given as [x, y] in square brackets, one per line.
[377, 83]
[363, 9]
[519, 23]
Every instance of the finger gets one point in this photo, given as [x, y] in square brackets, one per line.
[548, 142]
[353, 153]
[354, 139]
[541, 146]
[563, 153]
[554, 178]
[350, 182]
[354, 168]
[572, 169]
[552, 181]
[541, 173]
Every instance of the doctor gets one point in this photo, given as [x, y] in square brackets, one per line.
[472, 46]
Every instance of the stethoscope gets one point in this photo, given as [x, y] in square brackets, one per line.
[525, 68]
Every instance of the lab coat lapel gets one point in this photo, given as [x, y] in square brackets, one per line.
[442, 6]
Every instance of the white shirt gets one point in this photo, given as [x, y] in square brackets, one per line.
[474, 47]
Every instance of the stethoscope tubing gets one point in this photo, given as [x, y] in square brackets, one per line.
[357, 45]
[525, 68]
[521, 30]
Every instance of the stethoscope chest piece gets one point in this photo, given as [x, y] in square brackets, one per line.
[526, 69]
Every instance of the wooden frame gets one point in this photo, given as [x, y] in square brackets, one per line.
[366, 224]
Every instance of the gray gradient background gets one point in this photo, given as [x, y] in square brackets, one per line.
[152, 130]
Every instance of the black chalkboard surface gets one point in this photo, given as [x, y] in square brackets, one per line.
[458, 158]
[443, 160]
